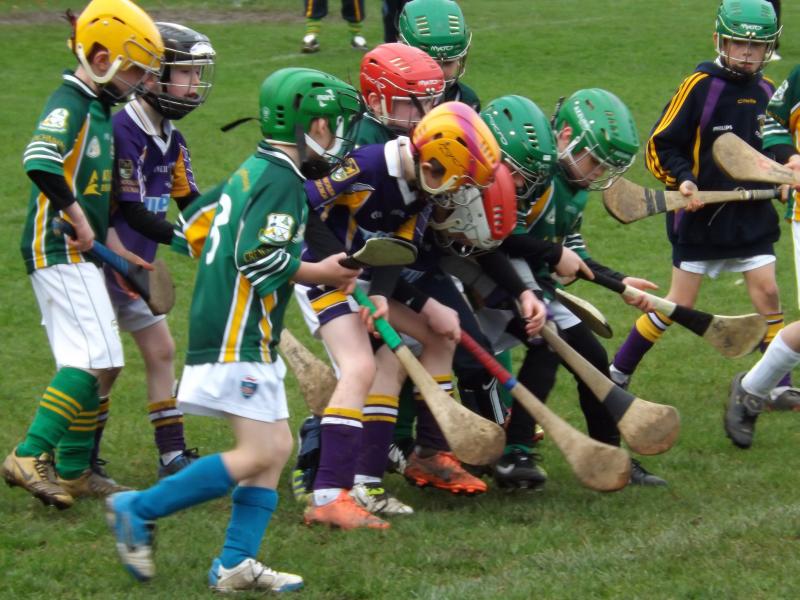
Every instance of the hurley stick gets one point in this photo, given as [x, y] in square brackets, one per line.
[586, 312]
[741, 162]
[314, 376]
[733, 337]
[473, 439]
[155, 287]
[628, 202]
[647, 427]
[598, 466]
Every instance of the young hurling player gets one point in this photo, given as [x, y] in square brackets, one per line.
[729, 94]
[438, 28]
[70, 161]
[243, 286]
[152, 166]
[596, 141]
[385, 190]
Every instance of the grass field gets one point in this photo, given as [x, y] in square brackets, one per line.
[728, 526]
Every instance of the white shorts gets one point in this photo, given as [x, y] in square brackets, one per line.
[253, 390]
[135, 315]
[78, 316]
[713, 268]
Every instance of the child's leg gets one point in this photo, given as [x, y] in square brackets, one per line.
[650, 327]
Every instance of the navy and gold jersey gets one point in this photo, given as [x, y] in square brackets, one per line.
[367, 197]
[712, 101]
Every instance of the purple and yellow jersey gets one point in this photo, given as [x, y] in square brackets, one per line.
[149, 169]
[72, 139]
[368, 197]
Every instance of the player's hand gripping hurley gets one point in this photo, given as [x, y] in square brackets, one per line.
[628, 202]
[155, 287]
[472, 438]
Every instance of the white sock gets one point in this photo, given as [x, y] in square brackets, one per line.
[326, 496]
[778, 360]
[366, 479]
[168, 457]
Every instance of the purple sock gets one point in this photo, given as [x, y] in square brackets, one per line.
[631, 352]
[380, 416]
[167, 421]
[340, 441]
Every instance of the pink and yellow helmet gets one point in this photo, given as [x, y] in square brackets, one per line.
[454, 136]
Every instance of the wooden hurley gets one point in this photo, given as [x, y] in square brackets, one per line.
[628, 202]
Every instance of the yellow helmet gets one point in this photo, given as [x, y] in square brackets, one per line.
[454, 136]
[125, 30]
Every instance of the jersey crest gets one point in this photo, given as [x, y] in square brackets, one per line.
[56, 120]
[347, 170]
[278, 229]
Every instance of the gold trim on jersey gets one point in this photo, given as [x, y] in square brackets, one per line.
[265, 325]
[72, 162]
[673, 108]
[539, 206]
[237, 319]
[197, 228]
[696, 154]
[407, 229]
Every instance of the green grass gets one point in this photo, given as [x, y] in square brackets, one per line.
[728, 525]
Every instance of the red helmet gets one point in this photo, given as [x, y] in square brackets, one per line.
[396, 72]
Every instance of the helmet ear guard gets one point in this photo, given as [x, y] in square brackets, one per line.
[480, 219]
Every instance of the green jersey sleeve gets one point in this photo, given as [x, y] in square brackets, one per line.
[783, 111]
[57, 133]
[271, 236]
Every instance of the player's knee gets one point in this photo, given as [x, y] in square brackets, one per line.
[359, 367]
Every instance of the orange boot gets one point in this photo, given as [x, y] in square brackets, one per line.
[442, 470]
[343, 513]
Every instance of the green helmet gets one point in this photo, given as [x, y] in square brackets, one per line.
[602, 124]
[291, 98]
[747, 20]
[436, 27]
[525, 138]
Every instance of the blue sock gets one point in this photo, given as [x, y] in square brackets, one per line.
[205, 479]
[252, 510]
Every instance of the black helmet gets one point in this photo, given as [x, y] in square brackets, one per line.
[184, 49]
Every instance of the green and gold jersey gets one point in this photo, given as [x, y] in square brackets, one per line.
[782, 126]
[249, 254]
[74, 138]
[369, 130]
[562, 218]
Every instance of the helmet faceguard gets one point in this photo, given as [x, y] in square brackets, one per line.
[480, 219]
[292, 98]
[131, 39]
[526, 140]
[408, 82]
[753, 22]
[437, 28]
[457, 145]
[604, 140]
[187, 72]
